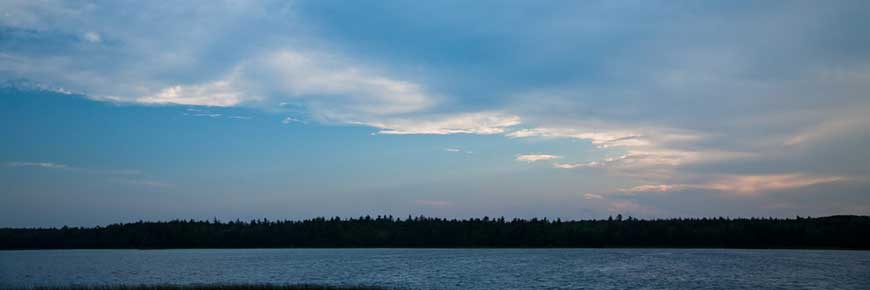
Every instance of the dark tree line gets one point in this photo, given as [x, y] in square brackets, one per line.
[841, 232]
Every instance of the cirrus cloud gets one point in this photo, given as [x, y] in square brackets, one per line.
[529, 158]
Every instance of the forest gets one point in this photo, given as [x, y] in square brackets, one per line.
[833, 232]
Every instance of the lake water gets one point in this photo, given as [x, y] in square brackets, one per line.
[447, 268]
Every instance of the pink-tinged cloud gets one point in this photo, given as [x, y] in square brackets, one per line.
[752, 184]
[744, 184]
[654, 188]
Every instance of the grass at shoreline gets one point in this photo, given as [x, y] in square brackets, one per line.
[210, 287]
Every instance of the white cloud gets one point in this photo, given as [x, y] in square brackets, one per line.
[217, 94]
[289, 120]
[457, 150]
[49, 165]
[568, 165]
[334, 89]
[93, 37]
[482, 123]
[356, 88]
[592, 196]
[210, 115]
[529, 158]
[288, 68]
[602, 139]
[52, 165]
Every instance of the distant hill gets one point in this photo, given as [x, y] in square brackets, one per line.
[834, 232]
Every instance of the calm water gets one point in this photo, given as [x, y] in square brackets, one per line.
[448, 268]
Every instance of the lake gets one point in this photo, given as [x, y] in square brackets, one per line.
[447, 268]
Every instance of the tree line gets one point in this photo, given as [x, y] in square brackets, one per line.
[837, 232]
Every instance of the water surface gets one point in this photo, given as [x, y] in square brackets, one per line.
[479, 269]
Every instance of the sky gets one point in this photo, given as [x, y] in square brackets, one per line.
[118, 111]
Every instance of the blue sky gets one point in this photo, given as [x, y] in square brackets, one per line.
[115, 111]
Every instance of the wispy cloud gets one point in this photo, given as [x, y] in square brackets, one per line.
[59, 166]
[592, 196]
[48, 165]
[195, 112]
[481, 123]
[529, 158]
[744, 184]
[123, 176]
[217, 94]
[602, 139]
[288, 120]
[457, 150]
[210, 115]
[362, 90]
[145, 183]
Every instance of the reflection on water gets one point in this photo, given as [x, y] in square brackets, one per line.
[448, 268]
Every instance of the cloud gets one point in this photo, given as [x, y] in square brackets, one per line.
[572, 165]
[53, 165]
[846, 123]
[48, 165]
[145, 183]
[655, 188]
[731, 110]
[457, 150]
[482, 123]
[656, 163]
[217, 94]
[602, 139]
[286, 65]
[745, 184]
[751, 184]
[529, 158]
[355, 88]
[606, 135]
[592, 196]
[289, 120]
[125, 176]
[591, 164]
[93, 37]
[643, 151]
[210, 115]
